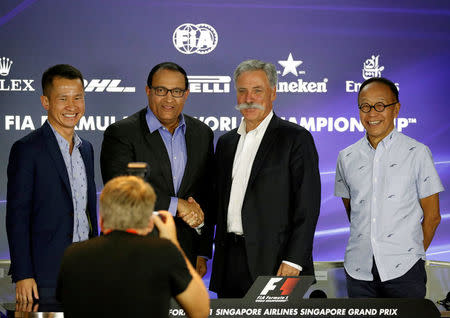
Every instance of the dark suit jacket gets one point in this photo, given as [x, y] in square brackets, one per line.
[39, 211]
[130, 140]
[281, 204]
[121, 275]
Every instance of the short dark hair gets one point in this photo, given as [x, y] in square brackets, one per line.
[381, 80]
[59, 70]
[167, 66]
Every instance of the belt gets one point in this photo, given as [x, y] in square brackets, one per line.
[234, 238]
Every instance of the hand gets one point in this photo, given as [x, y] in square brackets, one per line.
[190, 212]
[27, 307]
[25, 289]
[166, 226]
[201, 267]
[286, 270]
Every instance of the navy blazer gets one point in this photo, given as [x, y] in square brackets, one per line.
[39, 210]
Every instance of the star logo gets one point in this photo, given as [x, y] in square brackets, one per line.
[290, 66]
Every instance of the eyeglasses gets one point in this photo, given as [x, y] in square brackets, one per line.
[175, 92]
[379, 107]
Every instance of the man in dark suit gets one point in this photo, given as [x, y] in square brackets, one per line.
[125, 272]
[178, 150]
[268, 190]
[51, 194]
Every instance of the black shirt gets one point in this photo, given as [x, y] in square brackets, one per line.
[121, 275]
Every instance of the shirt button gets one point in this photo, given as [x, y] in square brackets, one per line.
[373, 220]
[375, 179]
[174, 158]
[374, 199]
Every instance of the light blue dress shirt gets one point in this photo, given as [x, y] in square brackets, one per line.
[78, 184]
[176, 150]
[384, 186]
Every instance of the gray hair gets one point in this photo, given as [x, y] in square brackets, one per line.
[255, 65]
[127, 202]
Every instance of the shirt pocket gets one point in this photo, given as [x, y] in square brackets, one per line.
[399, 187]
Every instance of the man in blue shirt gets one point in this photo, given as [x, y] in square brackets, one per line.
[178, 150]
[390, 190]
[51, 190]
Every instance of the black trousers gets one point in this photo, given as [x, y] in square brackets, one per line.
[411, 285]
[237, 280]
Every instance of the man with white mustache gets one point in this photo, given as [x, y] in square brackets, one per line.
[51, 194]
[267, 190]
[390, 190]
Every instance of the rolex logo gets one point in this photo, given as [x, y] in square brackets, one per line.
[13, 84]
[5, 66]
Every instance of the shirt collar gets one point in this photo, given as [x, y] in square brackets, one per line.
[262, 127]
[386, 142]
[62, 141]
[154, 124]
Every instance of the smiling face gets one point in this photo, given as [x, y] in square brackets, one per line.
[378, 124]
[254, 87]
[167, 108]
[64, 104]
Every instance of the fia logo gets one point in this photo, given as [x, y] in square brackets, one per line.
[191, 38]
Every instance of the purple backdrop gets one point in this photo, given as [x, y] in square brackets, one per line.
[322, 50]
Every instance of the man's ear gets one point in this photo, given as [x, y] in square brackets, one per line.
[45, 102]
[151, 224]
[273, 95]
[396, 109]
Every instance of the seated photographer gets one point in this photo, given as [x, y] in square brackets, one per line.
[126, 272]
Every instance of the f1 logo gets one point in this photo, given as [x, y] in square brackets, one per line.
[286, 288]
[271, 285]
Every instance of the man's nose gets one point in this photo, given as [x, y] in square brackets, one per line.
[70, 103]
[249, 98]
[372, 111]
[169, 96]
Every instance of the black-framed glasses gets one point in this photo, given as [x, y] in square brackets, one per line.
[379, 107]
[162, 91]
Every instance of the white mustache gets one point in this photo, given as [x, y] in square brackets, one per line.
[249, 106]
